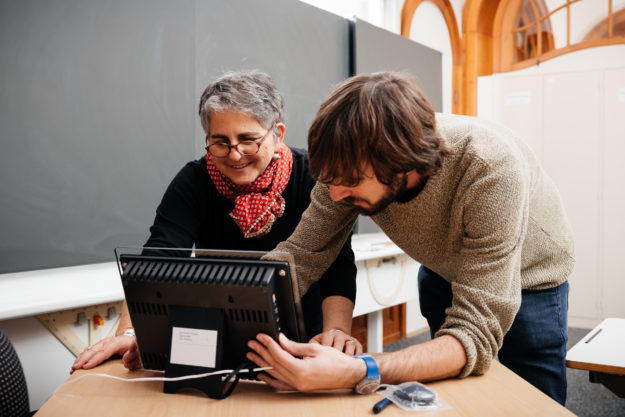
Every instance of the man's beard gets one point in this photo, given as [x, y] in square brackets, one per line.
[395, 189]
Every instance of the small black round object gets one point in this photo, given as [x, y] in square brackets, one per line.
[415, 393]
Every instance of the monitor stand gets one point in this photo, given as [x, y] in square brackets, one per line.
[196, 339]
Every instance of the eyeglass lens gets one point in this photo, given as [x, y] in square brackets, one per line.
[246, 147]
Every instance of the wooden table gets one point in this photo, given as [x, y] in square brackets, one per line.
[497, 393]
[602, 353]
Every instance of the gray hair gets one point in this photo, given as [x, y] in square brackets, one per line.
[251, 92]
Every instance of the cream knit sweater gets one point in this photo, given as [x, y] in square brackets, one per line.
[490, 222]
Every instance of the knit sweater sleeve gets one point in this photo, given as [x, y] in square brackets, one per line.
[487, 289]
[319, 236]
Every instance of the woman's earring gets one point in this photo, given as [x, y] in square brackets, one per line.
[276, 156]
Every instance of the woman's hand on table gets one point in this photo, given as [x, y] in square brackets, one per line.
[340, 340]
[126, 346]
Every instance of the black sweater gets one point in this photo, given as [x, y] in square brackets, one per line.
[193, 212]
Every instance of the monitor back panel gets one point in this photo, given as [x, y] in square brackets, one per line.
[255, 296]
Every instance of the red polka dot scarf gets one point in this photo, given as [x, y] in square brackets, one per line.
[259, 204]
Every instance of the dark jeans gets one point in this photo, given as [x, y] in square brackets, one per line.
[534, 347]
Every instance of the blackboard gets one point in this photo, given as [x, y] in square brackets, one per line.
[98, 105]
[98, 108]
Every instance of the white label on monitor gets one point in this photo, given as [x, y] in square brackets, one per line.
[621, 95]
[522, 97]
[194, 347]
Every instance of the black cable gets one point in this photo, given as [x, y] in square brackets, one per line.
[228, 384]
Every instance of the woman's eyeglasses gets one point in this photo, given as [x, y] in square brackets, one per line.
[245, 147]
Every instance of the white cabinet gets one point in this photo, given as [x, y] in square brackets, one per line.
[612, 255]
[571, 143]
[571, 111]
[386, 277]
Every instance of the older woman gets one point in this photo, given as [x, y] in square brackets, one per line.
[248, 193]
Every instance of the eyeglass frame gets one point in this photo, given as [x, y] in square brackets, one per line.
[257, 142]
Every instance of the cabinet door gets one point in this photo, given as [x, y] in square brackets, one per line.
[518, 105]
[571, 146]
[613, 225]
[393, 324]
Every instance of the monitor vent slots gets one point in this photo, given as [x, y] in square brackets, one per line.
[250, 316]
[154, 360]
[153, 309]
[195, 272]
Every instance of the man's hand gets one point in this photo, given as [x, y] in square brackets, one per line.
[340, 340]
[107, 347]
[320, 367]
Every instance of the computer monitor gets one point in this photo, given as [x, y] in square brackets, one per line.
[195, 309]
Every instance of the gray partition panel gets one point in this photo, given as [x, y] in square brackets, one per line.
[376, 49]
[96, 112]
[98, 108]
[304, 49]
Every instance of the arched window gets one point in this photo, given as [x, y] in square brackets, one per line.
[527, 32]
[611, 26]
[532, 32]
[507, 35]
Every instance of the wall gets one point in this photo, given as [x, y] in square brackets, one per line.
[571, 110]
[377, 49]
[98, 109]
[97, 113]
[430, 29]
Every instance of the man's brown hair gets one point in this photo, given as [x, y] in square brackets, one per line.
[383, 120]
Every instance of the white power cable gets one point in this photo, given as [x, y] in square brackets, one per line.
[178, 378]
